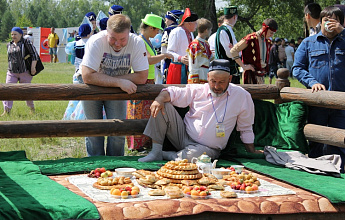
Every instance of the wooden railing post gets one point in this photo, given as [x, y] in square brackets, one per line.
[282, 81]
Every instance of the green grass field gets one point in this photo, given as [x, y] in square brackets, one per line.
[49, 148]
[42, 148]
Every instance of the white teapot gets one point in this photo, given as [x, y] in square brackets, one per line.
[204, 163]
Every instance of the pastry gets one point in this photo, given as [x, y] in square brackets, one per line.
[215, 187]
[153, 186]
[178, 172]
[211, 176]
[149, 179]
[156, 192]
[181, 165]
[174, 192]
[181, 177]
[206, 181]
[119, 186]
[142, 173]
[163, 181]
[189, 182]
[228, 194]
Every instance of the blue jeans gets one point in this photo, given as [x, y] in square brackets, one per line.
[114, 110]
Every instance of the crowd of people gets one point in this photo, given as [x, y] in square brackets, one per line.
[117, 57]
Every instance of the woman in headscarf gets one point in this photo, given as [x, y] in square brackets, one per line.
[17, 71]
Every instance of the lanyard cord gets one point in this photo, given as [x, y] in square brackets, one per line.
[215, 113]
[149, 43]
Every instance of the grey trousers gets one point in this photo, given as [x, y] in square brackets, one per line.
[172, 126]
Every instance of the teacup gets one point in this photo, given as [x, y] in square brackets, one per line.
[238, 168]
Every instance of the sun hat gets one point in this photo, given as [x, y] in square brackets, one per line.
[153, 21]
[30, 32]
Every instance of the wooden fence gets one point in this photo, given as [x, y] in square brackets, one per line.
[115, 127]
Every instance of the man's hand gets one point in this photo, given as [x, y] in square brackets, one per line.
[185, 60]
[128, 86]
[251, 149]
[334, 25]
[317, 87]
[156, 106]
[258, 152]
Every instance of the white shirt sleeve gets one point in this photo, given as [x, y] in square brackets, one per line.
[173, 45]
[140, 61]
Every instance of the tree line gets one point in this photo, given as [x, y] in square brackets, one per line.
[70, 13]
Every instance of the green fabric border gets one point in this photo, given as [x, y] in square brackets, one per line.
[86, 164]
[27, 194]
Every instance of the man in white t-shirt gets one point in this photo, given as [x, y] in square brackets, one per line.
[290, 53]
[109, 57]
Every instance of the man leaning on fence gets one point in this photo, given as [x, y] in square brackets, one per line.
[109, 57]
[319, 65]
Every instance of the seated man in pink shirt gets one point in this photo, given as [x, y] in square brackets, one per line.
[214, 110]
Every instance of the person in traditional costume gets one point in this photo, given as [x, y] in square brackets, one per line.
[179, 40]
[91, 16]
[199, 53]
[140, 109]
[225, 39]
[171, 19]
[255, 49]
[212, 39]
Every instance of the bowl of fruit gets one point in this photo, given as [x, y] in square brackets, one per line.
[100, 172]
[125, 192]
[196, 192]
[245, 183]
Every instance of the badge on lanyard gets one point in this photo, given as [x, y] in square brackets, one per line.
[220, 130]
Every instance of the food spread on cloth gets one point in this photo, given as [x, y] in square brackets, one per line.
[175, 179]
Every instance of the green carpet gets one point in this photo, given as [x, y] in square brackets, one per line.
[327, 186]
[86, 164]
[27, 194]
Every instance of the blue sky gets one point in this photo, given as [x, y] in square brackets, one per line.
[221, 4]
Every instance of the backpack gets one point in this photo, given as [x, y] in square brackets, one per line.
[58, 40]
